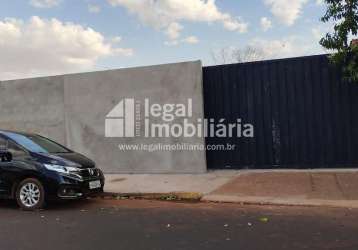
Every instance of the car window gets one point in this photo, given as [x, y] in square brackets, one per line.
[25, 142]
[3, 144]
[48, 145]
[37, 144]
[15, 150]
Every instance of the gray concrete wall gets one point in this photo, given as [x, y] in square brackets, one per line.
[34, 105]
[72, 109]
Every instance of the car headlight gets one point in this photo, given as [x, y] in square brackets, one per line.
[61, 169]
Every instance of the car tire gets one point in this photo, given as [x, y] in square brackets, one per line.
[30, 194]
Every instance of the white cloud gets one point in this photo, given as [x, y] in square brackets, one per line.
[319, 2]
[291, 46]
[266, 49]
[279, 48]
[320, 31]
[122, 51]
[173, 30]
[172, 43]
[45, 3]
[92, 8]
[234, 24]
[191, 40]
[287, 11]
[317, 33]
[45, 47]
[162, 14]
[266, 23]
[188, 40]
[116, 39]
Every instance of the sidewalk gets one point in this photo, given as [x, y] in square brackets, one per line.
[168, 183]
[336, 188]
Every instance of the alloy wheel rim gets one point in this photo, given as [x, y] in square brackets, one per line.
[30, 194]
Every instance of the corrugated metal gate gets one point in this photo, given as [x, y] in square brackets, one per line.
[304, 115]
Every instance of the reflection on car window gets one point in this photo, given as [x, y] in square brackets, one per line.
[25, 142]
[37, 144]
[3, 144]
[48, 145]
[15, 150]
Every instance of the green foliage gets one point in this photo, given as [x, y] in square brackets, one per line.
[344, 13]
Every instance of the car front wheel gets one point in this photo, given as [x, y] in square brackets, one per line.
[30, 194]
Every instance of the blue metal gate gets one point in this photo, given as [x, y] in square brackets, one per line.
[304, 114]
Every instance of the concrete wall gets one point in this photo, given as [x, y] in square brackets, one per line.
[72, 110]
[34, 105]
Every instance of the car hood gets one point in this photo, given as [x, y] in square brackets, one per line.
[65, 159]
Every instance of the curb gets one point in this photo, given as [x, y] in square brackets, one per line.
[242, 200]
[175, 196]
[249, 200]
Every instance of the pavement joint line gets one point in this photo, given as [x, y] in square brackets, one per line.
[339, 186]
[313, 187]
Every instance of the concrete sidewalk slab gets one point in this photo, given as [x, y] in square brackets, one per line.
[315, 188]
[333, 188]
[167, 183]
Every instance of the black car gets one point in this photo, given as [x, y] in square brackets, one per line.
[34, 169]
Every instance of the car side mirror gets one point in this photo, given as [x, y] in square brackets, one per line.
[5, 156]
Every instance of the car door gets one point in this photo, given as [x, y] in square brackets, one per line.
[12, 171]
[4, 165]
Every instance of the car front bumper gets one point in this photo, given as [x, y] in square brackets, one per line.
[67, 188]
[73, 191]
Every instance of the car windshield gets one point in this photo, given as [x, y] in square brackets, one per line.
[37, 144]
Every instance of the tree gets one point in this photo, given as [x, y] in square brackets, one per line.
[235, 55]
[344, 13]
[249, 54]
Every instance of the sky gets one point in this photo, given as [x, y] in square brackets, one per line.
[50, 37]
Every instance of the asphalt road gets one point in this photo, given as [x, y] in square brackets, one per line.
[106, 225]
